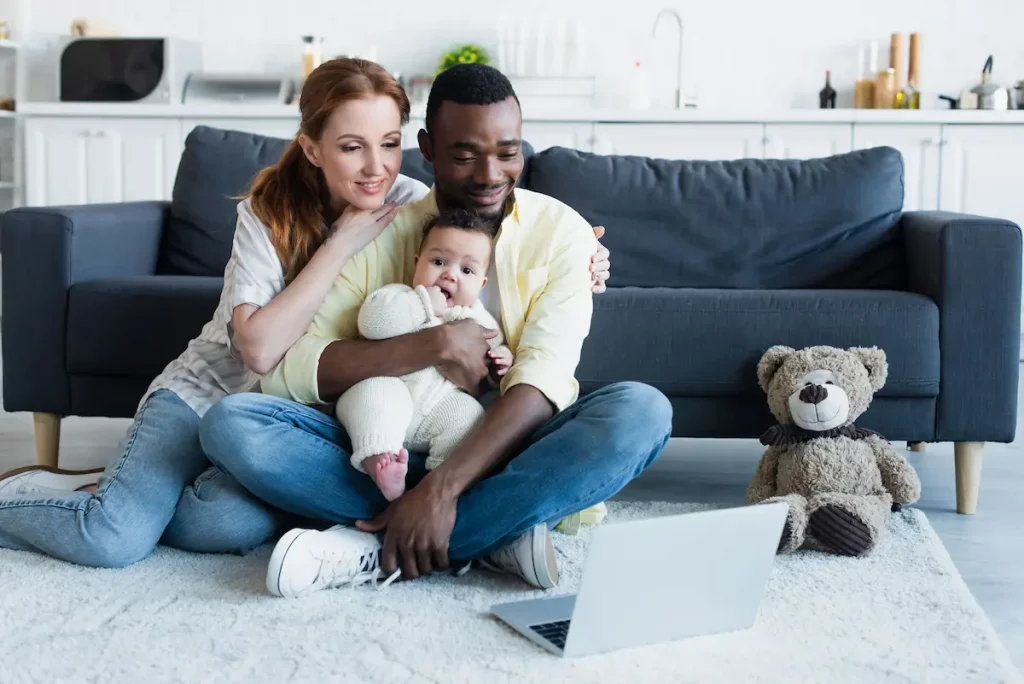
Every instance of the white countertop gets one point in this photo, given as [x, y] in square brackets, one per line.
[565, 114]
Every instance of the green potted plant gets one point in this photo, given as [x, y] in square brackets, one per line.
[464, 54]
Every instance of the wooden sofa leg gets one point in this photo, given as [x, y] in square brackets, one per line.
[968, 475]
[47, 438]
[917, 446]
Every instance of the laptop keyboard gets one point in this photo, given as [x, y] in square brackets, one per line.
[555, 632]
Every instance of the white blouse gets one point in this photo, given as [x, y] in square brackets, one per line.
[210, 367]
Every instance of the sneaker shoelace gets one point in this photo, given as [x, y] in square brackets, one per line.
[334, 566]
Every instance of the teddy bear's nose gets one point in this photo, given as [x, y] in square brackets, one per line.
[813, 394]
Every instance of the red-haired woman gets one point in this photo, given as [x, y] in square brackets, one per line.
[335, 188]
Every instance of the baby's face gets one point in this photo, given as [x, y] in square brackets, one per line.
[456, 261]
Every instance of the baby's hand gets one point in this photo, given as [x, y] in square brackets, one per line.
[501, 357]
[437, 300]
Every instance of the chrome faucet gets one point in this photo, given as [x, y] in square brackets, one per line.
[669, 12]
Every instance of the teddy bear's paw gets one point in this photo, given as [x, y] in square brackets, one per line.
[840, 531]
[787, 536]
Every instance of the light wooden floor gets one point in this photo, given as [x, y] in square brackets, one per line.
[988, 548]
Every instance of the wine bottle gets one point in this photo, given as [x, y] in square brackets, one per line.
[827, 95]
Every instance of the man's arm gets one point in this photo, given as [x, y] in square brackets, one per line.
[329, 358]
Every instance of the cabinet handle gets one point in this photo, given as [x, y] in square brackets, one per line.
[99, 134]
[81, 134]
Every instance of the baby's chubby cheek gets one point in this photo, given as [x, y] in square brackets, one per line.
[466, 295]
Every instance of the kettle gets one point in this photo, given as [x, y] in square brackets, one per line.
[987, 95]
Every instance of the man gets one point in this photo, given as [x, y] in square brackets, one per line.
[540, 452]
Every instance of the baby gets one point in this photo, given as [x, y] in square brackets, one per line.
[422, 411]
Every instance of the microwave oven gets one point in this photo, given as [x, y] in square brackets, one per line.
[103, 69]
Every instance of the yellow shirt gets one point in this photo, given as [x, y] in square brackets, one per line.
[542, 256]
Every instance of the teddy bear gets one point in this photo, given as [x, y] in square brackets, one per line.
[841, 481]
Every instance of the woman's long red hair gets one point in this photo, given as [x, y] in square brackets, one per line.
[289, 196]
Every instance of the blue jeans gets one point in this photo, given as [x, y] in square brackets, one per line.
[160, 488]
[296, 458]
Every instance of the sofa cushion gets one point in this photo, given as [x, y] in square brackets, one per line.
[216, 168]
[136, 326]
[706, 343]
[750, 223]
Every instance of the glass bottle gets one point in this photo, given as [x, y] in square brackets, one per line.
[827, 95]
[864, 86]
[311, 55]
[885, 89]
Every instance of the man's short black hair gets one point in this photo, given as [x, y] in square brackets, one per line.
[472, 84]
[463, 219]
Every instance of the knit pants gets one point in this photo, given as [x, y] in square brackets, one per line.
[423, 411]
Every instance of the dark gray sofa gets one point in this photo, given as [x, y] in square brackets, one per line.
[713, 262]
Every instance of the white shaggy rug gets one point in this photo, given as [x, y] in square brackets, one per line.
[903, 615]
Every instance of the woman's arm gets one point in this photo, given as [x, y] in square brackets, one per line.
[262, 334]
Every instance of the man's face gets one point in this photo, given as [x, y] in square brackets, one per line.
[477, 155]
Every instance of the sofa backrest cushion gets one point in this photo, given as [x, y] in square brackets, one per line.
[751, 223]
[216, 167]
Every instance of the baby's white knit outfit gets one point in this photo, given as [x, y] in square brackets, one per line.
[422, 410]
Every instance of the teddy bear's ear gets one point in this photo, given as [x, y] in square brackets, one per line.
[770, 362]
[873, 359]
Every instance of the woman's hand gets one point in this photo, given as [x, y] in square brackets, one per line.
[600, 264]
[356, 228]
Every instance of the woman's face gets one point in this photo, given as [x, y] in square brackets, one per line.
[359, 152]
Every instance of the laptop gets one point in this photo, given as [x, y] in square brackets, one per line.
[657, 580]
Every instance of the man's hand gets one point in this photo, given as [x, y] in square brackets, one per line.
[417, 527]
[463, 354]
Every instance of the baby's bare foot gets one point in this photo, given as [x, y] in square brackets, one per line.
[388, 471]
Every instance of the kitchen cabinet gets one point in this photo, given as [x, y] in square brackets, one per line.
[806, 141]
[920, 145]
[88, 161]
[681, 140]
[544, 134]
[978, 171]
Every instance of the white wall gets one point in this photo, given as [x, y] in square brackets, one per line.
[740, 53]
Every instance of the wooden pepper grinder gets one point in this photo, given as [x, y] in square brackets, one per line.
[898, 63]
[911, 96]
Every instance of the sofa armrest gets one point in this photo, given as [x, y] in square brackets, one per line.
[971, 267]
[46, 250]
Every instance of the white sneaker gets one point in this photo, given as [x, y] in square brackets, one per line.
[305, 561]
[46, 480]
[531, 557]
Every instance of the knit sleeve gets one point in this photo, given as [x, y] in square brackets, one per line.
[395, 310]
